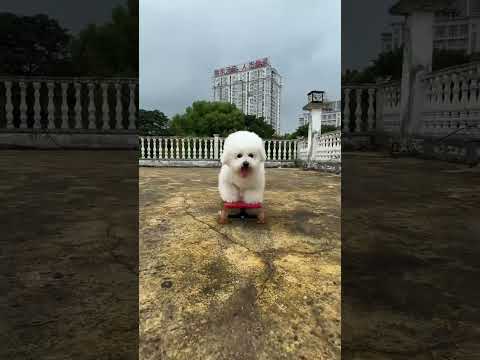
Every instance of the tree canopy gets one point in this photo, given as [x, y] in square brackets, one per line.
[110, 49]
[153, 123]
[33, 45]
[38, 45]
[388, 65]
[203, 118]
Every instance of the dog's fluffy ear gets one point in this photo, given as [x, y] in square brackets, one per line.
[263, 155]
[224, 157]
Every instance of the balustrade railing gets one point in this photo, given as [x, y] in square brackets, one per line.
[68, 104]
[208, 148]
[452, 101]
[359, 108]
[325, 147]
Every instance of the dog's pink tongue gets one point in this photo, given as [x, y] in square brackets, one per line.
[243, 172]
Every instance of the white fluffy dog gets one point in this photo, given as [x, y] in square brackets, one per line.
[242, 176]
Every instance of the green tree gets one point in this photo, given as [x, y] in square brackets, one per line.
[329, 128]
[110, 49]
[388, 65]
[33, 45]
[302, 131]
[259, 126]
[205, 118]
[153, 123]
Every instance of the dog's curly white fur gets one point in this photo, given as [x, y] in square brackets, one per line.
[242, 176]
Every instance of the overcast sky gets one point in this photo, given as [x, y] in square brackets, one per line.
[183, 41]
[362, 23]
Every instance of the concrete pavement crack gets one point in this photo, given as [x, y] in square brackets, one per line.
[267, 261]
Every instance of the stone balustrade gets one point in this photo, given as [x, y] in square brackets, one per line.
[325, 148]
[195, 150]
[359, 108]
[68, 104]
[451, 101]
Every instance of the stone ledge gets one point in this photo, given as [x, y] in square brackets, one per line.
[46, 140]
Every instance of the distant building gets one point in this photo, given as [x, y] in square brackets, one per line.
[456, 29]
[254, 88]
[303, 118]
[331, 115]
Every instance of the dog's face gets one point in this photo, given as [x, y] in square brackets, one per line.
[244, 152]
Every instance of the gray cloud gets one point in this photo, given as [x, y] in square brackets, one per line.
[183, 41]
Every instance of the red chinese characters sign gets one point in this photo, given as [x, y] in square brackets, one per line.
[244, 67]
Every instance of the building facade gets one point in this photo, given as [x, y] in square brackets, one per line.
[331, 115]
[456, 29]
[253, 87]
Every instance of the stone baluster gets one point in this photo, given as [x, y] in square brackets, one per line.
[358, 111]
[456, 89]
[176, 149]
[268, 150]
[118, 106]
[275, 150]
[142, 148]
[148, 147]
[78, 106]
[50, 106]
[91, 106]
[131, 106]
[23, 105]
[105, 107]
[36, 106]
[295, 146]
[189, 152]
[9, 105]
[371, 110]
[195, 148]
[284, 152]
[183, 149]
[346, 112]
[438, 90]
[211, 149]
[465, 89]
[216, 145]
[447, 92]
[473, 92]
[155, 156]
[64, 86]
[160, 148]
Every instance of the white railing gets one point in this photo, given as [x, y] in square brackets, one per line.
[452, 101]
[68, 104]
[207, 149]
[359, 103]
[325, 148]
[371, 107]
[389, 107]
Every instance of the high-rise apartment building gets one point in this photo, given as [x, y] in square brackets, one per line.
[454, 29]
[253, 87]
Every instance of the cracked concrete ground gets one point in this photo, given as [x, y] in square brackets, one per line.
[68, 259]
[242, 290]
[410, 256]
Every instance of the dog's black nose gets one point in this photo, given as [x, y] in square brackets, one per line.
[245, 164]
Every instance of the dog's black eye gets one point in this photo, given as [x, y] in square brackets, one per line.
[251, 155]
[239, 156]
